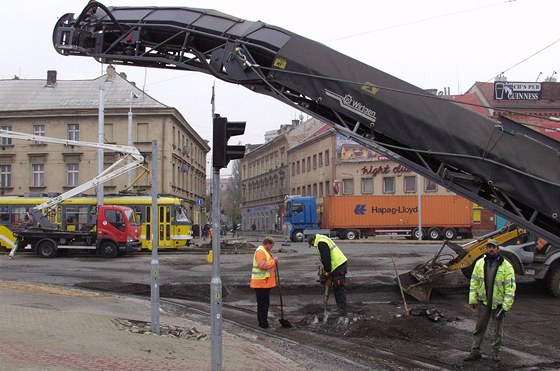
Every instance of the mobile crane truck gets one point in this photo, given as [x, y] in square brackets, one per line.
[500, 164]
[111, 231]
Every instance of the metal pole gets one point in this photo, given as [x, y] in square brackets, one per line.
[129, 142]
[420, 234]
[155, 239]
[216, 283]
[100, 139]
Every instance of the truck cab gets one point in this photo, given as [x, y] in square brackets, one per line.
[301, 214]
[117, 226]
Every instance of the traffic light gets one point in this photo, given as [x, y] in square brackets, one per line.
[223, 130]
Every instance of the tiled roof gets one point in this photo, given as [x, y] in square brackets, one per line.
[26, 95]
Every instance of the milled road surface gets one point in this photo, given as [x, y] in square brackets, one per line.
[379, 334]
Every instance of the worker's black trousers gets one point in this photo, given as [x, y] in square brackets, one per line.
[338, 276]
[263, 302]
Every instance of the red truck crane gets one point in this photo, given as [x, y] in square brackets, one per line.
[112, 230]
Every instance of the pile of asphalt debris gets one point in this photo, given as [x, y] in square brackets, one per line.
[140, 327]
[433, 314]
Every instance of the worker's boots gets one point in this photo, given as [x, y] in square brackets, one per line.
[474, 356]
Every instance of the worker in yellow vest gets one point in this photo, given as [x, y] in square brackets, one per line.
[263, 278]
[491, 294]
[335, 267]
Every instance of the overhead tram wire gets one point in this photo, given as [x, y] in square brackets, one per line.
[526, 59]
[420, 21]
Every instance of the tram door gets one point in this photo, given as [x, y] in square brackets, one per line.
[165, 226]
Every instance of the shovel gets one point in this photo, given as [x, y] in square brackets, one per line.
[283, 322]
[326, 299]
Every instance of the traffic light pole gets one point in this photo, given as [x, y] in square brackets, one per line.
[222, 153]
[216, 283]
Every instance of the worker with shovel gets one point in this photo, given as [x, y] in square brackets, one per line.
[334, 269]
[263, 278]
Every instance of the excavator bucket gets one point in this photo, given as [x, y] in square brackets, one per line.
[418, 283]
[420, 291]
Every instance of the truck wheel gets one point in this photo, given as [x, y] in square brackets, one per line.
[434, 233]
[351, 234]
[298, 236]
[47, 249]
[108, 250]
[449, 233]
[416, 235]
[553, 281]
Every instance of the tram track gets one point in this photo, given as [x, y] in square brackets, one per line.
[346, 353]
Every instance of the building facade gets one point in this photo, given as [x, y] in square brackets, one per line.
[264, 174]
[70, 110]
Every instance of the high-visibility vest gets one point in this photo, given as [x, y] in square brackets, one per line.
[337, 257]
[504, 285]
[260, 274]
[263, 278]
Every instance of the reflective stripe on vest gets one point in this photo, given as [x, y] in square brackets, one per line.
[259, 274]
[337, 257]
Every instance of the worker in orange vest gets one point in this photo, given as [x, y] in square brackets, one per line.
[263, 278]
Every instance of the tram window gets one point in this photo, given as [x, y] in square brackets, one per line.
[181, 216]
[4, 214]
[139, 211]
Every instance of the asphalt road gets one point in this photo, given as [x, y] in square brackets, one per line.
[375, 302]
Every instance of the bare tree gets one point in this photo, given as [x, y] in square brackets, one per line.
[231, 201]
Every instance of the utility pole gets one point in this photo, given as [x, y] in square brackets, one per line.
[154, 292]
[100, 140]
[129, 142]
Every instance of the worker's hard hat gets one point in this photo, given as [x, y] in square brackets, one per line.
[492, 242]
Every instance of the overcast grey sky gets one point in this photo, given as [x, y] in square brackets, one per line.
[430, 43]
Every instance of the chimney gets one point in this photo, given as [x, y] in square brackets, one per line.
[51, 78]
[111, 73]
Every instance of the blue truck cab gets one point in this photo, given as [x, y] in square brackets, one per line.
[300, 214]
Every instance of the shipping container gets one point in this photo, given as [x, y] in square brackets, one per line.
[351, 217]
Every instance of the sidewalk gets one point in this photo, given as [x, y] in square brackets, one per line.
[53, 328]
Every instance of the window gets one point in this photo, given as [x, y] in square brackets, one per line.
[73, 131]
[115, 218]
[389, 185]
[303, 165]
[293, 168]
[73, 175]
[321, 193]
[314, 162]
[6, 141]
[367, 186]
[38, 175]
[297, 167]
[347, 186]
[409, 184]
[5, 176]
[321, 159]
[309, 164]
[327, 159]
[327, 188]
[39, 130]
[430, 185]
